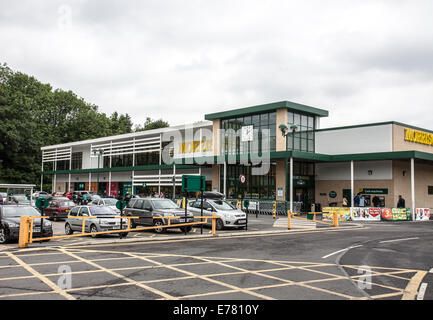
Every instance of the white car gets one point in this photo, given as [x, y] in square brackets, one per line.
[230, 216]
[106, 202]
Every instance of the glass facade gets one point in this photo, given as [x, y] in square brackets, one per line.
[232, 141]
[77, 161]
[304, 135]
[254, 187]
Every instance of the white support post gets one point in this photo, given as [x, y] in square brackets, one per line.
[132, 181]
[412, 186]
[352, 178]
[109, 183]
[160, 161]
[291, 184]
[225, 178]
[174, 177]
[90, 181]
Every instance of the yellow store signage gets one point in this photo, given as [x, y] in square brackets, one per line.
[418, 136]
[195, 146]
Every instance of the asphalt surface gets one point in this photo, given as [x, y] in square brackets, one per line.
[384, 260]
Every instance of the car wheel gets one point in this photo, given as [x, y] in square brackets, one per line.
[219, 224]
[158, 223]
[4, 235]
[123, 234]
[68, 229]
[188, 229]
[93, 229]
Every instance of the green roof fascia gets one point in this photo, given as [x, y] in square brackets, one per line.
[121, 169]
[375, 124]
[268, 107]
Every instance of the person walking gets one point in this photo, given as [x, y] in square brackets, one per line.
[345, 201]
[356, 200]
[401, 203]
[376, 201]
[362, 201]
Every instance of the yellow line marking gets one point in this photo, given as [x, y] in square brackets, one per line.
[205, 278]
[42, 278]
[386, 295]
[118, 275]
[412, 288]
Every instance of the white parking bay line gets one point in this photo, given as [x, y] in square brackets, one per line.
[395, 240]
[345, 249]
[421, 291]
[431, 270]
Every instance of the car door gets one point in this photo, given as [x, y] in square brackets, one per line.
[72, 221]
[84, 212]
[147, 212]
[136, 211]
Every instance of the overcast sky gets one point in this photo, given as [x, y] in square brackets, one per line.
[364, 61]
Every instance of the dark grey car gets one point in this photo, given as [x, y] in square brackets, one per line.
[10, 216]
[149, 208]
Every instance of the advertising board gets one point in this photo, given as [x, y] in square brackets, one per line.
[365, 214]
[343, 213]
[422, 214]
[396, 214]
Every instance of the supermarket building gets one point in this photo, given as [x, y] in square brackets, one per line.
[313, 165]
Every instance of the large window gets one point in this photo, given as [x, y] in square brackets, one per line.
[234, 145]
[62, 165]
[123, 160]
[304, 135]
[255, 187]
[147, 158]
[77, 161]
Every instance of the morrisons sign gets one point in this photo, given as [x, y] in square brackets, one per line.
[418, 136]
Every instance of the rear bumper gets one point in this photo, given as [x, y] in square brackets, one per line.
[15, 233]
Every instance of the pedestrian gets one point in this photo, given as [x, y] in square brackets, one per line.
[356, 200]
[376, 201]
[362, 201]
[345, 201]
[401, 203]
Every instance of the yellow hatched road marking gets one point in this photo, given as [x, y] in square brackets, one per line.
[204, 277]
[42, 278]
[412, 288]
[158, 292]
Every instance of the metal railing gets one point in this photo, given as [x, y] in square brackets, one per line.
[27, 227]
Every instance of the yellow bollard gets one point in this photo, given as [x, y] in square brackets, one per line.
[288, 220]
[183, 202]
[24, 232]
[335, 216]
[213, 223]
[274, 210]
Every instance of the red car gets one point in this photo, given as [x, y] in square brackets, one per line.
[58, 209]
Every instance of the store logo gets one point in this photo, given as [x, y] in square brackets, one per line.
[417, 136]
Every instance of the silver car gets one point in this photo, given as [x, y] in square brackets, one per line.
[230, 216]
[107, 202]
[104, 220]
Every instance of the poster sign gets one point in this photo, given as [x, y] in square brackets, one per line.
[343, 213]
[422, 214]
[396, 214]
[280, 192]
[365, 214]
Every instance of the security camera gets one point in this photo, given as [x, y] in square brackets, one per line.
[284, 129]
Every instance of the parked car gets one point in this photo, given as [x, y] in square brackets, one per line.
[148, 208]
[230, 216]
[108, 202]
[10, 223]
[59, 208]
[37, 194]
[104, 220]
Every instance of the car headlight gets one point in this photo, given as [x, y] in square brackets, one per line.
[47, 223]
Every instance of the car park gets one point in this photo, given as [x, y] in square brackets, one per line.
[230, 216]
[103, 220]
[108, 202]
[58, 208]
[10, 216]
[146, 209]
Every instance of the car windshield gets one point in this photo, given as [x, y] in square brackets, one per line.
[164, 204]
[222, 205]
[13, 211]
[21, 199]
[110, 202]
[102, 211]
[67, 204]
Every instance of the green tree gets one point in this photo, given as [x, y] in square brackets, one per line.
[150, 124]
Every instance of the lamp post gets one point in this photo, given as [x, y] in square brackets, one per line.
[99, 152]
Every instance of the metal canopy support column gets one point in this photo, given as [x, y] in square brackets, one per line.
[291, 184]
[352, 178]
[90, 181]
[109, 183]
[174, 180]
[160, 162]
[55, 176]
[412, 185]
[109, 173]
